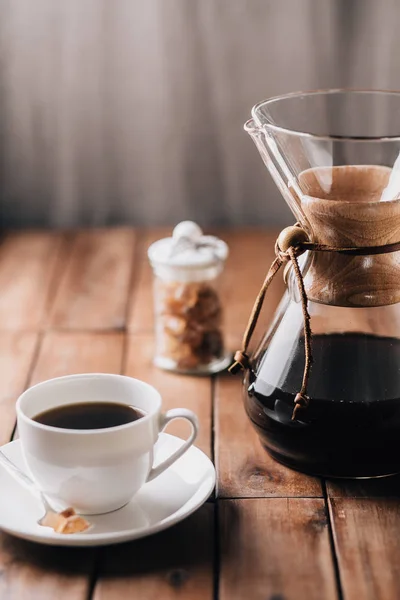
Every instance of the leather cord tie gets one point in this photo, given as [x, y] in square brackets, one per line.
[291, 243]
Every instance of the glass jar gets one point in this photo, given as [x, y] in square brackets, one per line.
[187, 269]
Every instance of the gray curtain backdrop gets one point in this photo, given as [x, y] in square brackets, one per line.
[132, 111]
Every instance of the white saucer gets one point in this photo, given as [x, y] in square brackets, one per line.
[171, 497]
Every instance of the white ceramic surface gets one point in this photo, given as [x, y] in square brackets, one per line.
[159, 504]
[96, 470]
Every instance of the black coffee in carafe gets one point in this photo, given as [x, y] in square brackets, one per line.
[351, 426]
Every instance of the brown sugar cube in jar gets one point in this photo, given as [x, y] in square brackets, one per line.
[188, 307]
[173, 325]
[175, 297]
[207, 308]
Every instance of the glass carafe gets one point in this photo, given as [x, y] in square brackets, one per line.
[334, 156]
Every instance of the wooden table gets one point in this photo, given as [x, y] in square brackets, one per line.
[74, 302]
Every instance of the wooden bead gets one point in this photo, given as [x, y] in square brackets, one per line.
[291, 236]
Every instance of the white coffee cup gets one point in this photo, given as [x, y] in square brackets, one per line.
[95, 470]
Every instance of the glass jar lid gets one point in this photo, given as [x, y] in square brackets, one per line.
[188, 248]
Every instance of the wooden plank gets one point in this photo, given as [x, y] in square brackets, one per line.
[251, 254]
[275, 548]
[366, 533]
[244, 468]
[28, 265]
[43, 572]
[93, 292]
[176, 390]
[68, 352]
[177, 563]
[17, 351]
[141, 317]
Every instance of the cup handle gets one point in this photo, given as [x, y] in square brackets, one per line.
[170, 415]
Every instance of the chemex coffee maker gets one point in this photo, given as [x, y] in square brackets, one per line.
[322, 388]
